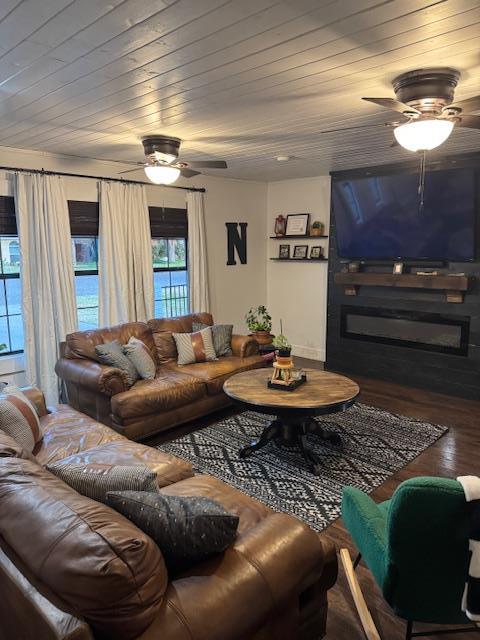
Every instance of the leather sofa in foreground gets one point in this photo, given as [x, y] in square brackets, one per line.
[178, 394]
[74, 569]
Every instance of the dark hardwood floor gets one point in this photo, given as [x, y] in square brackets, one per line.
[456, 453]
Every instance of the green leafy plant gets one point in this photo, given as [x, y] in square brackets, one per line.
[317, 224]
[281, 342]
[3, 347]
[258, 319]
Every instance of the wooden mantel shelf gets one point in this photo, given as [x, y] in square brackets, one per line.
[454, 286]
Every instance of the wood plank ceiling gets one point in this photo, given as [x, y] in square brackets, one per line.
[243, 80]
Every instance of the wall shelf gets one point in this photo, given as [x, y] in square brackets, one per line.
[297, 237]
[299, 259]
[453, 286]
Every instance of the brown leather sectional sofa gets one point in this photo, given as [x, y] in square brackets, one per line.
[74, 569]
[177, 395]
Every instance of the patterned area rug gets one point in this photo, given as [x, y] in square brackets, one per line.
[375, 444]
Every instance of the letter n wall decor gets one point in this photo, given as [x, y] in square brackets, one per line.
[236, 241]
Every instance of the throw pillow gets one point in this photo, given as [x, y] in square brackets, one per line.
[19, 419]
[222, 337]
[95, 480]
[141, 357]
[195, 347]
[187, 529]
[111, 353]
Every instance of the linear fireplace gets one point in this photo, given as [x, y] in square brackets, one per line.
[414, 329]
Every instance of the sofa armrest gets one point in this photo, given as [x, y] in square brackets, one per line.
[243, 346]
[92, 375]
[36, 397]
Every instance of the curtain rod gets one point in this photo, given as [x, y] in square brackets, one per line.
[79, 175]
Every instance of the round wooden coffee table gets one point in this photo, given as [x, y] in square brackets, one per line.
[322, 394]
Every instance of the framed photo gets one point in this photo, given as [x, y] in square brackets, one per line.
[300, 251]
[297, 224]
[397, 268]
[316, 253]
[284, 252]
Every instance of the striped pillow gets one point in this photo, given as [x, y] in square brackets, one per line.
[222, 337]
[141, 357]
[195, 347]
[19, 419]
[95, 479]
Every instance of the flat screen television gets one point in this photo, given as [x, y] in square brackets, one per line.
[380, 218]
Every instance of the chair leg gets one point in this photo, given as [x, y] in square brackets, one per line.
[357, 560]
[408, 635]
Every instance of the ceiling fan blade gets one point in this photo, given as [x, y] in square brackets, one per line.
[130, 170]
[470, 104]
[472, 122]
[189, 173]
[394, 105]
[204, 164]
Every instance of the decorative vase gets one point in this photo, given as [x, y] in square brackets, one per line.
[280, 226]
[262, 337]
[284, 353]
[318, 230]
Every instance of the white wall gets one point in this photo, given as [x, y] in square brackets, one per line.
[297, 293]
[234, 289]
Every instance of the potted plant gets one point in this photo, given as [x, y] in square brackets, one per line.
[318, 228]
[259, 322]
[283, 346]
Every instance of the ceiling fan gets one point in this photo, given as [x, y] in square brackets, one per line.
[425, 98]
[163, 166]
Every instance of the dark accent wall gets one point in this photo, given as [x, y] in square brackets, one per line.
[445, 373]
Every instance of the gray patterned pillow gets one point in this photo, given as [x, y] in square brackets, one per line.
[222, 337]
[94, 479]
[141, 357]
[111, 353]
[187, 529]
[195, 347]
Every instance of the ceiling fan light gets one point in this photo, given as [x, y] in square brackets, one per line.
[161, 175]
[423, 135]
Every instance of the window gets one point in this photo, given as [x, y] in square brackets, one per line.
[11, 324]
[85, 263]
[170, 277]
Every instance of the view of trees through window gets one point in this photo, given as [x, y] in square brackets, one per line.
[170, 276]
[169, 261]
[85, 264]
[11, 326]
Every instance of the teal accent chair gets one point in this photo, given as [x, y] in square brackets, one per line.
[416, 546]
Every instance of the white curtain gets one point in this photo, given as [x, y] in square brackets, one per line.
[197, 253]
[125, 272]
[47, 277]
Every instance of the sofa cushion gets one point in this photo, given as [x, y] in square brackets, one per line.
[187, 529]
[9, 448]
[111, 353]
[222, 337]
[93, 558]
[66, 431]
[95, 480]
[19, 418]
[81, 344]
[215, 373]
[126, 452]
[195, 347]
[165, 346]
[141, 357]
[169, 389]
[181, 324]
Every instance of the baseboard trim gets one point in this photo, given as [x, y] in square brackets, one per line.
[308, 352]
